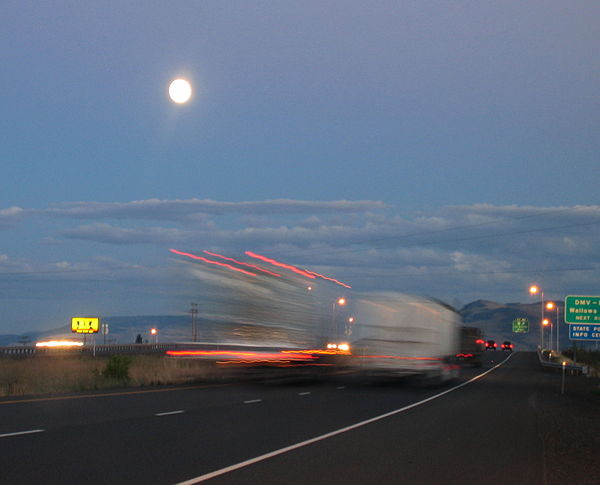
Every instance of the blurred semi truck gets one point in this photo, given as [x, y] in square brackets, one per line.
[395, 334]
[472, 346]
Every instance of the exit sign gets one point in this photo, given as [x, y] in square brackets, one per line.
[582, 309]
[520, 325]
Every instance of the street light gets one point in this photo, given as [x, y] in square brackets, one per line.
[549, 306]
[545, 323]
[154, 331]
[339, 302]
[534, 290]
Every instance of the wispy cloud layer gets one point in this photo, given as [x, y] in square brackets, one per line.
[457, 253]
[157, 209]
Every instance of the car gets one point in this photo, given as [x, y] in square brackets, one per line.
[490, 345]
[506, 345]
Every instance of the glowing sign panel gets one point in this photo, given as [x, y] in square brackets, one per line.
[582, 309]
[85, 325]
[520, 325]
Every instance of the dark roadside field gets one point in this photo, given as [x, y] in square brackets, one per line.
[569, 426]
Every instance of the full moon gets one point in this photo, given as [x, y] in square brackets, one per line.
[180, 91]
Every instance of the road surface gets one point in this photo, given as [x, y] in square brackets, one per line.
[511, 425]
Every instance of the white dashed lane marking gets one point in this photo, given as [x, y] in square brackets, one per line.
[18, 433]
[168, 413]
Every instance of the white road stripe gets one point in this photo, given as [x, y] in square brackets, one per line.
[168, 413]
[252, 401]
[341, 387]
[281, 451]
[6, 435]
[304, 393]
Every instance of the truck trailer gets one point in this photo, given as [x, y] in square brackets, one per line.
[395, 334]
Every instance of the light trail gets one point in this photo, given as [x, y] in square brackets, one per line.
[210, 261]
[281, 265]
[283, 355]
[242, 263]
[59, 343]
[329, 279]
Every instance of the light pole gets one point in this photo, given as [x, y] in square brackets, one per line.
[194, 314]
[350, 322]
[534, 290]
[339, 302]
[154, 331]
[545, 323]
[549, 306]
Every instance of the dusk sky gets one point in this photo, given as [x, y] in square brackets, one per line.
[448, 149]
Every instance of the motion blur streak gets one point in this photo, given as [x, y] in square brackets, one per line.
[59, 343]
[253, 362]
[240, 262]
[318, 352]
[395, 357]
[233, 353]
[193, 256]
[281, 265]
[329, 279]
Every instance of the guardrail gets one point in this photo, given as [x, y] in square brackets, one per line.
[558, 366]
[109, 349]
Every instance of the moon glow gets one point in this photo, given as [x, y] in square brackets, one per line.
[180, 91]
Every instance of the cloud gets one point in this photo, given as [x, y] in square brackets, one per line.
[106, 233]
[156, 209]
[11, 216]
[455, 252]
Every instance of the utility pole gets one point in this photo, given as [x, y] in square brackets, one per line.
[194, 313]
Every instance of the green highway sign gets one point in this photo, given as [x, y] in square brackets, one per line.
[582, 309]
[520, 325]
[584, 332]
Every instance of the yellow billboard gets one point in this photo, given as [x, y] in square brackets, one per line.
[85, 324]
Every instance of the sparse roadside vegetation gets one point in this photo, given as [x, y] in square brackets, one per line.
[588, 357]
[76, 373]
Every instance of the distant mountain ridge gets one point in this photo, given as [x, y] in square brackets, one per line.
[494, 319]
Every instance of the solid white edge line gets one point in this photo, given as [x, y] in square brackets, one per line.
[281, 451]
[252, 401]
[6, 435]
[168, 413]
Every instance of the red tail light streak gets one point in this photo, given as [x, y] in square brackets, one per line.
[241, 263]
[281, 265]
[200, 258]
[329, 279]
[244, 355]
[303, 272]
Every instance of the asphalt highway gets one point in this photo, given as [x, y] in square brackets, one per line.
[492, 429]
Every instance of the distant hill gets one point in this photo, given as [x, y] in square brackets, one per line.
[495, 320]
